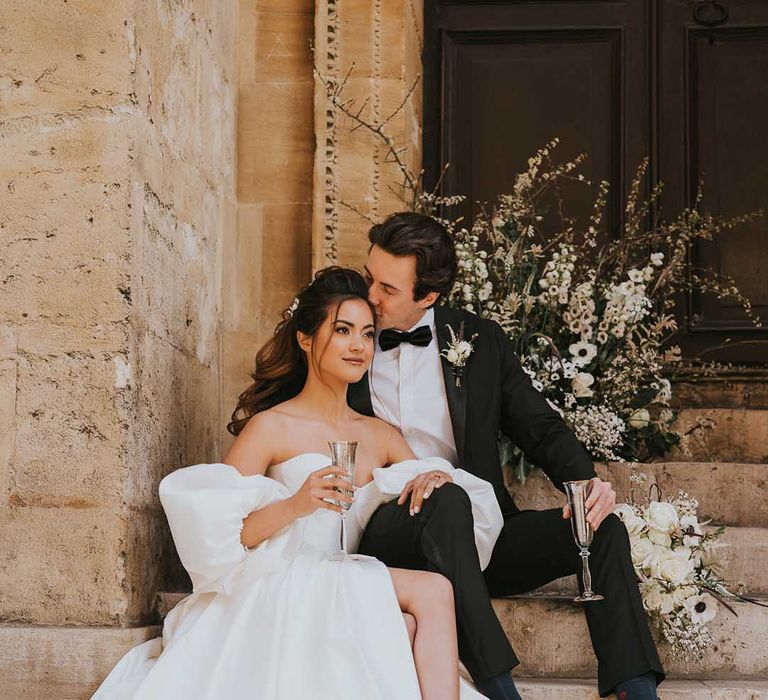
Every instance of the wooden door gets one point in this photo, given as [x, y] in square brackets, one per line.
[683, 82]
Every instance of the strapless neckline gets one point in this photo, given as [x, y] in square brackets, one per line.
[301, 454]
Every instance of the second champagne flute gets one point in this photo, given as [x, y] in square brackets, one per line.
[578, 492]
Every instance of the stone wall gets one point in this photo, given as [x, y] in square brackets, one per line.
[116, 186]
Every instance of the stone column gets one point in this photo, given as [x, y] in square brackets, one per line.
[384, 41]
[268, 253]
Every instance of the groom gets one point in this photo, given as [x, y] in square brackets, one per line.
[457, 413]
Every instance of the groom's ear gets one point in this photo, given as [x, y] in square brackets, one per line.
[429, 300]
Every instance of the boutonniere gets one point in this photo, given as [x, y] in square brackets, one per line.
[458, 351]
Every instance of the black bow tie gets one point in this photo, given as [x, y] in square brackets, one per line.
[391, 338]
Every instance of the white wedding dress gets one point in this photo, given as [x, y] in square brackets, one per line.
[282, 621]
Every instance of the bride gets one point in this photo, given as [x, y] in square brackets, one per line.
[272, 616]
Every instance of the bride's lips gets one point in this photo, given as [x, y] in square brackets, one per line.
[354, 360]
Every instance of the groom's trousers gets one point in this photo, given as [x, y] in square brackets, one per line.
[534, 547]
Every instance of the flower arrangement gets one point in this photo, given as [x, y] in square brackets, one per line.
[590, 319]
[677, 562]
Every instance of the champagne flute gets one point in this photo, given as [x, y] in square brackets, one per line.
[578, 492]
[343, 455]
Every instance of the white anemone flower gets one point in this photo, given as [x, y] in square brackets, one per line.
[583, 353]
[702, 608]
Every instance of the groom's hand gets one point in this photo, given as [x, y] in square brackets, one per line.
[421, 487]
[600, 504]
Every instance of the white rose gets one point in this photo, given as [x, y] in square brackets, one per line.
[640, 418]
[580, 385]
[652, 596]
[654, 559]
[662, 516]
[676, 566]
[631, 520]
[452, 356]
[641, 550]
[660, 538]
[667, 603]
[657, 259]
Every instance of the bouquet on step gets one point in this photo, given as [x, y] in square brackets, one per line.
[678, 563]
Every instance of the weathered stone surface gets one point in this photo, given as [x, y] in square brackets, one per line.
[79, 70]
[41, 663]
[275, 169]
[117, 185]
[63, 562]
[551, 638]
[729, 494]
[727, 435]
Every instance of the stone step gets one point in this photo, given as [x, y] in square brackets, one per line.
[734, 435]
[728, 493]
[69, 663]
[746, 389]
[550, 636]
[537, 689]
[43, 663]
[745, 562]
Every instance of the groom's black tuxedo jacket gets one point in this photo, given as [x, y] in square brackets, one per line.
[496, 395]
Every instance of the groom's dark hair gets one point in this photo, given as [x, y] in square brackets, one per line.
[408, 233]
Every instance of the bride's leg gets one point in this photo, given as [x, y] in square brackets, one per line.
[429, 598]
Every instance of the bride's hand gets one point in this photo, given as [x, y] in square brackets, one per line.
[421, 487]
[319, 486]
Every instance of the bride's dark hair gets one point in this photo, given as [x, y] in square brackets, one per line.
[281, 365]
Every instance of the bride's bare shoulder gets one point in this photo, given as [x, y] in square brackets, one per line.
[255, 444]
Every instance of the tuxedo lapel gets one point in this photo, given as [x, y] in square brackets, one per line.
[359, 396]
[456, 395]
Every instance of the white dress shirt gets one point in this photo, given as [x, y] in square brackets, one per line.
[408, 391]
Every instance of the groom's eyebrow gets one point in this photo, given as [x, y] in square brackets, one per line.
[383, 284]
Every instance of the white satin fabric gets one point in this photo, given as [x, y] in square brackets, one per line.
[281, 621]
